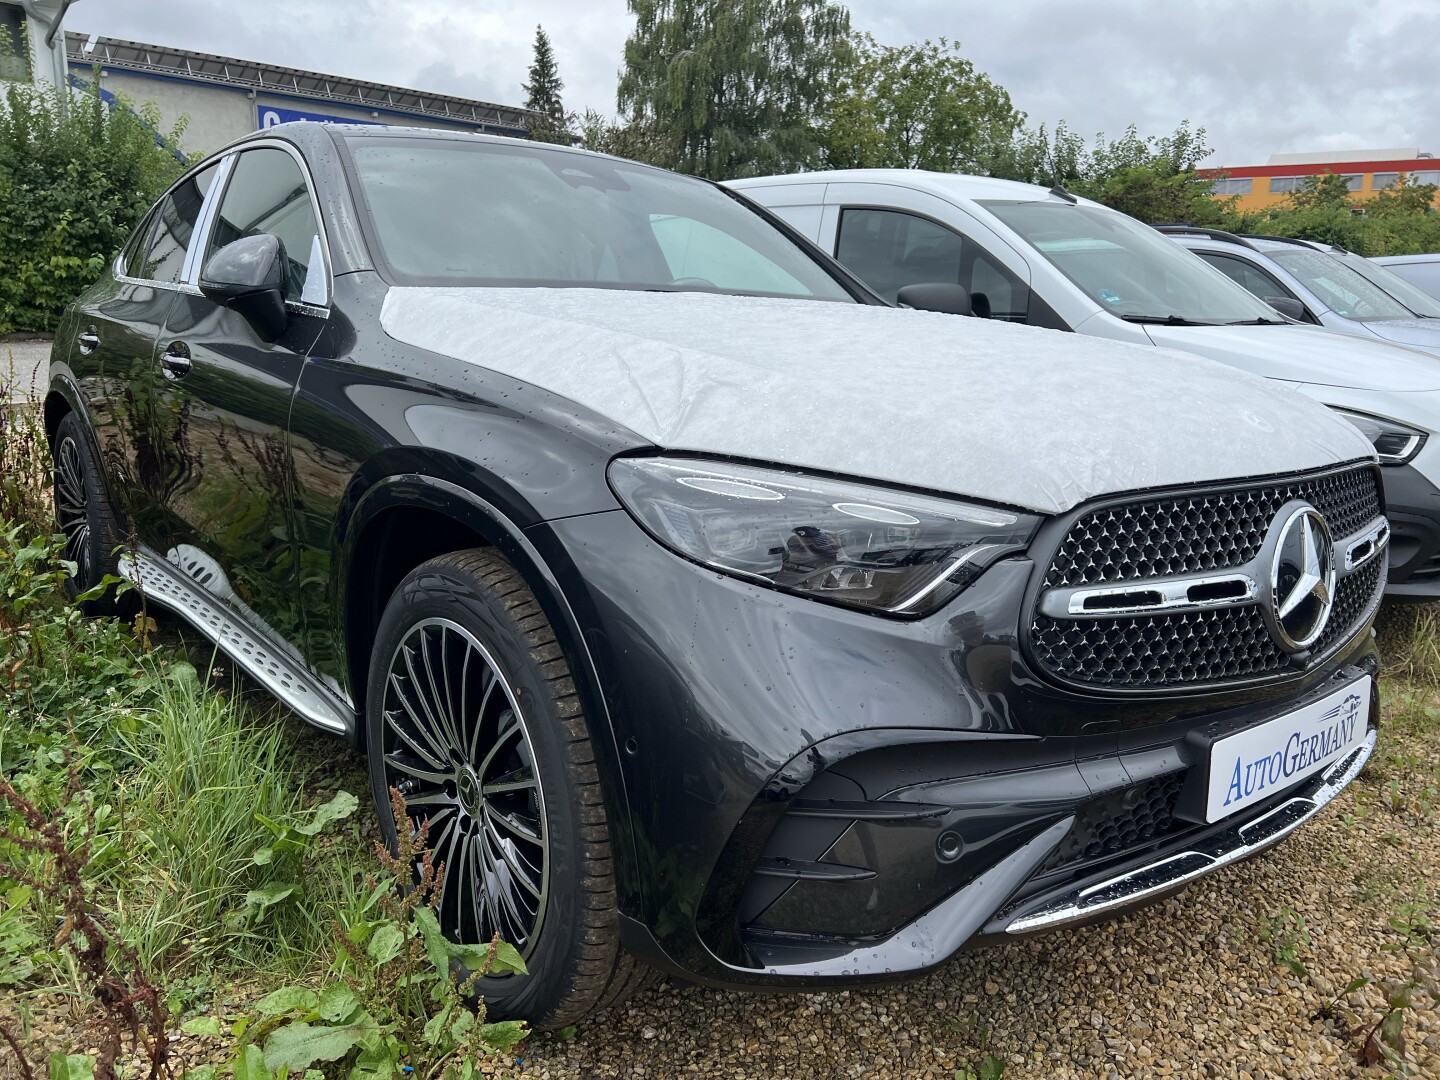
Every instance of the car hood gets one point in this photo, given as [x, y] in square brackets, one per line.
[1307, 354]
[1417, 333]
[1026, 417]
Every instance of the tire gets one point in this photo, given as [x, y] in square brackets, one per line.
[92, 528]
[540, 830]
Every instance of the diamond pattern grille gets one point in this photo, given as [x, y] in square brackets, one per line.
[1192, 534]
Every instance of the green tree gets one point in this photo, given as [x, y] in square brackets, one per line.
[1325, 191]
[640, 140]
[1037, 156]
[73, 182]
[920, 106]
[1155, 179]
[542, 94]
[736, 87]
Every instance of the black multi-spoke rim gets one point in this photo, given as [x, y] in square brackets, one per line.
[455, 745]
[70, 508]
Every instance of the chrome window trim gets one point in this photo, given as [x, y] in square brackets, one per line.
[190, 274]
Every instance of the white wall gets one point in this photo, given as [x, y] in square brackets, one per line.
[218, 116]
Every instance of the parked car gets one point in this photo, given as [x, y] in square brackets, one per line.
[1046, 258]
[719, 618]
[1327, 285]
[1422, 271]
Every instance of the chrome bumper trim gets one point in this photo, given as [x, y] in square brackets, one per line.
[1235, 844]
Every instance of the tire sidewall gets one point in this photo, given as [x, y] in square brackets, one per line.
[447, 592]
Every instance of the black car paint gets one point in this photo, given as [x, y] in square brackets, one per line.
[715, 700]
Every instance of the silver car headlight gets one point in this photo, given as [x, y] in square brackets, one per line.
[847, 543]
[1394, 442]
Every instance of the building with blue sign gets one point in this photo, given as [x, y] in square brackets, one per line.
[225, 98]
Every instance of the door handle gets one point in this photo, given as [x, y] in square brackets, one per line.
[175, 360]
[88, 342]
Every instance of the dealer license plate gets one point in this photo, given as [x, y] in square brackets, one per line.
[1252, 765]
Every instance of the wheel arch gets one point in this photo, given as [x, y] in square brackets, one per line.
[372, 557]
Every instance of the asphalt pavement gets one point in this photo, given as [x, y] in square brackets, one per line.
[22, 369]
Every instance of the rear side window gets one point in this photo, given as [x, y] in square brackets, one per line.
[1238, 270]
[131, 257]
[267, 193]
[174, 228]
[889, 249]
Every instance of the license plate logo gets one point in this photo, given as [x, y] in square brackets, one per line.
[1252, 765]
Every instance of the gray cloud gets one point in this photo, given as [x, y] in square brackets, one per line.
[1262, 77]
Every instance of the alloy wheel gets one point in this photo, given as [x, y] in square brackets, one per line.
[71, 507]
[456, 747]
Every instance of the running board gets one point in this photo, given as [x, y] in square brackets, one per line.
[277, 669]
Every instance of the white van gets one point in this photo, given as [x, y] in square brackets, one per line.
[1046, 258]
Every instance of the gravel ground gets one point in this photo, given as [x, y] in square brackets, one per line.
[1188, 988]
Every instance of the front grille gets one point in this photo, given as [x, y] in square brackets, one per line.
[1210, 531]
[1198, 533]
[1122, 820]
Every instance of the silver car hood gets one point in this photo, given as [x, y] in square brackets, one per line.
[1307, 354]
[1030, 418]
[1417, 333]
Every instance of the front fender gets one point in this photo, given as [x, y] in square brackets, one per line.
[460, 503]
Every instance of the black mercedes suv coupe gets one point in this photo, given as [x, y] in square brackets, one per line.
[720, 618]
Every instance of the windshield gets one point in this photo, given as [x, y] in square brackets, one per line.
[446, 212]
[1421, 303]
[1340, 288]
[1129, 268]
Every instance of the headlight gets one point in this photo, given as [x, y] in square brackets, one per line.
[853, 544]
[1396, 443]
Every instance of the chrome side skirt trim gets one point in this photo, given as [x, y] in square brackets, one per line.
[1231, 846]
[274, 667]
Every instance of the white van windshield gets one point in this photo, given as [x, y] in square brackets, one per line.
[1130, 269]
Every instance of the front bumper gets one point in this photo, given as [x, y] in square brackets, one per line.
[1412, 503]
[816, 795]
[1160, 876]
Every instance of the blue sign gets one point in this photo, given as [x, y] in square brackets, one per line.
[270, 115]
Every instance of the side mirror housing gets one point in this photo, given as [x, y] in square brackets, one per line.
[1290, 308]
[248, 276]
[941, 296]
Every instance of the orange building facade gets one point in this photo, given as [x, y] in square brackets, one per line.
[1260, 187]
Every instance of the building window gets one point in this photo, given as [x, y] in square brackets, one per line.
[1430, 176]
[1353, 180]
[14, 53]
[1233, 186]
[1284, 185]
[1383, 181]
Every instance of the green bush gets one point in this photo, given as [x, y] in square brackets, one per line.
[76, 175]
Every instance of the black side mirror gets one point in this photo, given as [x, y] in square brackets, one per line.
[1290, 308]
[941, 296]
[248, 276]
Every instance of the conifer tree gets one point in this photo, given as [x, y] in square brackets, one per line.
[543, 94]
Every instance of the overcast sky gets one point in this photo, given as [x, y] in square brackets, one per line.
[1262, 76]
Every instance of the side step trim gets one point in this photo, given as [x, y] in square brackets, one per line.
[279, 670]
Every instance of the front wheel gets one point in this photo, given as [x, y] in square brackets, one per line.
[471, 714]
